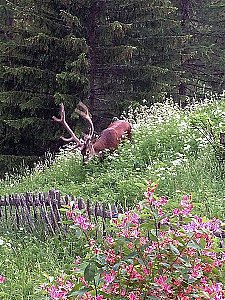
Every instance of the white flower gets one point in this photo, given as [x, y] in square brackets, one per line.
[187, 147]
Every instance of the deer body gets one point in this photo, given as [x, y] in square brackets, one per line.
[109, 137]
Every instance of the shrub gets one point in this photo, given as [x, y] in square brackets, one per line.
[146, 253]
[209, 121]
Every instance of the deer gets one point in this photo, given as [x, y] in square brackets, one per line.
[89, 147]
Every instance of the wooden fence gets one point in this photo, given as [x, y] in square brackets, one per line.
[34, 212]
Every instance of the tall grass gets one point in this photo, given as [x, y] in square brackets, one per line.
[27, 260]
[164, 148]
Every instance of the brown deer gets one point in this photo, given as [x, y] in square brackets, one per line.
[108, 139]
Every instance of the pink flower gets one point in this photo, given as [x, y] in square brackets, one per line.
[57, 294]
[130, 245]
[109, 240]
[92, 242]
[133, 296]
[186, 199]
[111, 256]
[133, 273]
[196, 271]
[109, 277]
[2, 279]
[151, 248]
[82, 222]
[78, 260]
[176, 212]
[162, 282]
[166, 220]
[143, 240]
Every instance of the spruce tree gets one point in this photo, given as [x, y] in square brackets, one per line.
[134, 53]
[107, 53]
[43, 63]
[203, 56]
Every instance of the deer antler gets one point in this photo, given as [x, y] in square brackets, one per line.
[62, 120]
[86, 115]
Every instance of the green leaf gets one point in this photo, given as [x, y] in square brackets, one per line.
[90, 272]
[174, 249]
[81, 292]
[67, 222]
[101, 259]
[154, 232]
[64, 209]
[193, 245]
[77, 231]
[3, 294]
[131, 255]
[116, 266]
[97, 279]
[164, 265]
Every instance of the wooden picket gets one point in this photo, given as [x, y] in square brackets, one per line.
[41, 211]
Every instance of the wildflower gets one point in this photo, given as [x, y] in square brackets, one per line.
[162, 282]
[92, 242]
[2, 279]
[176, 212]
[82, 222]
[56, 293]
[77, 260]
[133, 273]
[196, 271]
[109, 240]
[133, 296]
[143, 240]
[109, 277]
[111, 256]
[130, 245]
[175, 261]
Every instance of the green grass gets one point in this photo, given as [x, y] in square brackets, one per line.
[164, 148]
[26, 261]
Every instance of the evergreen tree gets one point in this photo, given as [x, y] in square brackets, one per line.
[203, 56]
[43, 63]
[134, 53]
[112, 52]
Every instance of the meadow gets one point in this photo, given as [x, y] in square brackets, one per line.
[179, 149]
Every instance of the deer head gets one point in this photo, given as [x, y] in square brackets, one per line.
[109, 138]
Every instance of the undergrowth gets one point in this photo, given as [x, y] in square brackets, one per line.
[26, 261]
[165, 147]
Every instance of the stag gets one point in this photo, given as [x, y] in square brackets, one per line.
[109, 138]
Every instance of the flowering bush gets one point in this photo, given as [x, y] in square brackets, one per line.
[146, 253]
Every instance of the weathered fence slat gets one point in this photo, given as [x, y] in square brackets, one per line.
[42, 213]
[32, 211]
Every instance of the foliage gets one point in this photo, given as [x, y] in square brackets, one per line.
[16, 164]
[147, 252]
[202, 56]
[68, 51]
[110, 53]
[26, 261]
[43, 62]
[211, 126]
[164, 146]
[138, 52]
